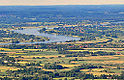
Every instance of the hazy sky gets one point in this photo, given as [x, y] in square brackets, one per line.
[60, 2]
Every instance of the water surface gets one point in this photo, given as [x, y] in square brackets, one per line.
[52, 37]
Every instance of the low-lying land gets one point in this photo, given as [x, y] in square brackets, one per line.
[50, 61]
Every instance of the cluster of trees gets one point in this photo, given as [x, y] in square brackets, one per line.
[17, 37]
[60, 47]
[84, 53]
[60, 14]
[39, 74]
[87, 33]
[34, 71]
[53, 66]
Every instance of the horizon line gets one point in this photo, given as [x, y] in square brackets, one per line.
[66, 5]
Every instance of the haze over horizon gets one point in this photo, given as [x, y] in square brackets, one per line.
[60, 2]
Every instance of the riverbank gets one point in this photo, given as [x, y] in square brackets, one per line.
[34, 31]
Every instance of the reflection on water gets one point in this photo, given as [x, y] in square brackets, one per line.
[52, 37]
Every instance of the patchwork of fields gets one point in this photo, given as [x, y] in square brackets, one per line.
[111, 64]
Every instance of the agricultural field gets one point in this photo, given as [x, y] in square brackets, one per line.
[62, 42]
[43, 58]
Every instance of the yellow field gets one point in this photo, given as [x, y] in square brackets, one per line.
[85, 70]
[21, 49]
[49, 70]
[69, 78]
[95, 62]
[115, 62]
[47, 56]
[74, 62]
[20, 53]
[35, 49]
[100, 57]
[99, 73]
[42, 64]
[5, 49]
[105, 48]
[23, 62]
[12, 53]
[8, 38]
[77, 50]
[97, 70]
[107, 62]
[4, 68]
[69, 65]
[93, 70]
[112, 67]
[8, 52]
[67, 69]
[89, 50]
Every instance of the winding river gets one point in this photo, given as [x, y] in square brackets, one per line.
[52, 37]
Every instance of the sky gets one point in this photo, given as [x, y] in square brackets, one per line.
[60, 2]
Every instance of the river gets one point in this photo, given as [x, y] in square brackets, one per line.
[52, 37]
